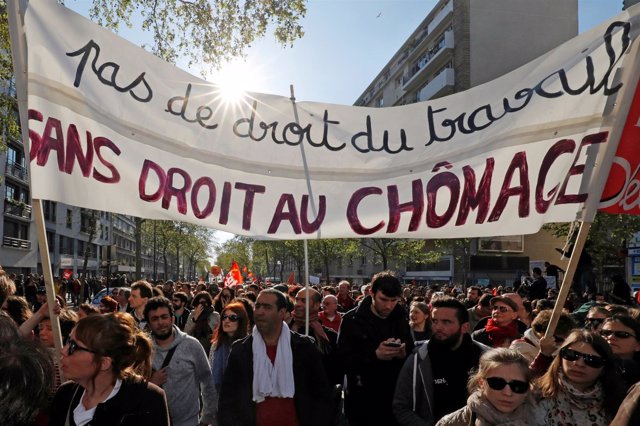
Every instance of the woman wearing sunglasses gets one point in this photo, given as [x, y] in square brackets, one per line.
[108, 360]
[502, 328]
[582, 386]
[234, 325]
[499, 392]
[623, 335]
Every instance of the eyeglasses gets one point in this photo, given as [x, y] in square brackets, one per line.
[618, 334]
[498, 383]
[594, 321]
[232, 317]
[502, 309]
[592, 361]
[73, 346]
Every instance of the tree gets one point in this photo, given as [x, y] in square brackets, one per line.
[396, 249]
[236, 249]
[324, 251]
[607, 237]
[203, 31]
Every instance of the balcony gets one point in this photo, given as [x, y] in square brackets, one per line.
[440, 17]
[17, 171]
[437, 86]
[16, 243]
[17, 209]
[436, 56]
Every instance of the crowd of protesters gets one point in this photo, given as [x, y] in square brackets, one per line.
[385, 353]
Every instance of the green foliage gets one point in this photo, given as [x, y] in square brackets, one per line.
[607, 236]
[404, 250]
[203, 31]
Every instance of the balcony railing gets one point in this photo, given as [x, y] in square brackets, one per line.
[16, 243]
[17, 171]
[17, 208]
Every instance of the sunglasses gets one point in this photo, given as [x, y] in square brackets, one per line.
[618, 334]
[594, 321]
[498, 383]
[232, 317]
[502, 309]
[592, 361]
[73, 346]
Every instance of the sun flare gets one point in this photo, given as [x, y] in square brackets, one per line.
[232, 80]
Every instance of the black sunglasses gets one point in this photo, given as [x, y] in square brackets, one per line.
[232, 317]
[592, 361]
[618, 334]
[596, 321]
[73, 346]
[498, 383]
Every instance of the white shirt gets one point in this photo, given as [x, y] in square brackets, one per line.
[82, 416]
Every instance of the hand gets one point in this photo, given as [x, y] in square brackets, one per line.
[159, 377]
[43, 312]
[197, 312]
[384, 352]
[548, 345]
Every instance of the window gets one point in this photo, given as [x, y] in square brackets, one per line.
[49, 209]
[16, 230]
[10, 192]
[65, 245]
[85, 221]
[69, 218]
[380, 102]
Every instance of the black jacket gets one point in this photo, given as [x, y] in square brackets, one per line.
[136, 403]
[313, 394]
[370, 381]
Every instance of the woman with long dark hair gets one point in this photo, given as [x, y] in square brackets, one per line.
[226, 295]
[203, 320]
[582, 386]
[234, 325]
[109, 361]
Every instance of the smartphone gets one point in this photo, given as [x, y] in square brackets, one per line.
[393, 344]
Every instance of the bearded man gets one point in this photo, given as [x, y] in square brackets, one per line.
[433, 380]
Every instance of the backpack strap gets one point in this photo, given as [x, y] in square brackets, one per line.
[167, 359]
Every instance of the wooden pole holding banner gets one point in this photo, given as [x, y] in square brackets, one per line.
[15, 12]
[313, 209]
[618, 108]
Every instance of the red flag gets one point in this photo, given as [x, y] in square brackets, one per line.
[620, 193]
[67, 274]
[234, 277]
[290, 280]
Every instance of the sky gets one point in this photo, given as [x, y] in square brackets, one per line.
[346, 44]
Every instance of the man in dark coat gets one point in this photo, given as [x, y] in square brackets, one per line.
[373, 342]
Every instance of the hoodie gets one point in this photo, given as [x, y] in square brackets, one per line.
[188, 375]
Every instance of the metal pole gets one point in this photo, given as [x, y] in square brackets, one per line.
[313, 209]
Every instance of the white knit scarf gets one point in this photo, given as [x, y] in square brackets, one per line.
[272, 379]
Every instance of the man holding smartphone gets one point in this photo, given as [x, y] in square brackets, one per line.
[373, 342]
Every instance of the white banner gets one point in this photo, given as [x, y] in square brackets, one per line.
[114, 128]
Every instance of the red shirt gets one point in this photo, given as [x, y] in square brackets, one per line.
[346, 302]
[276, 411]
[335, 324]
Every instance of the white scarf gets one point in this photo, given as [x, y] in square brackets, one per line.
[274, 380]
